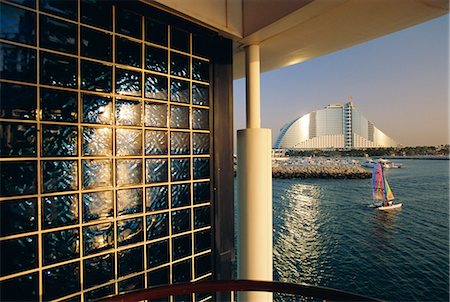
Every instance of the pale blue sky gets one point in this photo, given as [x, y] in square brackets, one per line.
[400, 82]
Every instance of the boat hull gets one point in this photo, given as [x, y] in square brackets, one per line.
[391, 207]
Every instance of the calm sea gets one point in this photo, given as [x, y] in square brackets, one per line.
[325, 234]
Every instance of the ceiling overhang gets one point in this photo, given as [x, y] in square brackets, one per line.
[325, 26]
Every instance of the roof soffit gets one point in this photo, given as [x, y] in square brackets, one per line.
[325, 26]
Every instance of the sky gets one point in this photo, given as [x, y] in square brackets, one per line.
[400, 82]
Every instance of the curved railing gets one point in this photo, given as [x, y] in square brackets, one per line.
[305, 290]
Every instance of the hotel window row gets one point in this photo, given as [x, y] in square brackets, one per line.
[106, 150]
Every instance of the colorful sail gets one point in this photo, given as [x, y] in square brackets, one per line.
[378, 182]
[388, 195]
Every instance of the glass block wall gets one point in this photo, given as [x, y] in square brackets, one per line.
[105, 151]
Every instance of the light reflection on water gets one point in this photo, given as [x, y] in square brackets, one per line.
[299, 222]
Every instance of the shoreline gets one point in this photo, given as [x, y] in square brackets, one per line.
[320, 172]
[319, 167]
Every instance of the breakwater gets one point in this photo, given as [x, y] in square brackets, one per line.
[318, 168]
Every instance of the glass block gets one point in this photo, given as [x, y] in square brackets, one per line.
[58, 211]
[202, 265]
[155, 142]
[76, 298]
[29, 3]
[58, 176]
[97, 109]
[59, 106]
[155, 115]
[156, 59]
[181, 195]
[182, 298]
[128, 172]
[130, 231]
[101, 292]
[155, 87]
[128, 23]
[181, 221]
[17, 139]
[180, 91]
[58, 70]
[23, 288]
[130, 261]
[96, 76]
[63, 8]
[157, 198]
[200, 70]
[180, 169]
[18, 101]
[200, 119]
[159, 277]
[157, 253]
[98, 270]
[97, 238]
[18, 216]
[131, 284]
[179, 65]
[181, 247]
[97, 13]
[97, 173]
[18, 178]
[200, 143]
[59, 141]
[202, 192]
[182, 271]
[60, 246]
[97, 141]
[156, 31]
[19, 63]
[200, 94]
[98, 205]
[129, 201]
[156, 170]
[128, 52]
[179, 39]
[179, 117]
[128, 142]
[202, 217]
[18, 255]
[128, 112]
[157, 226]
[201, 168]
[58, 35]
[18, 25]
[202, 241]
[180, 143]
[201, 46]
[128, 82]
[96, 44]
[61, 281]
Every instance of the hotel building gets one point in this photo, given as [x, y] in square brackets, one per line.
[336, 126]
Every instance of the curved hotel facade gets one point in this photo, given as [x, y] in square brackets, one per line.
[335, 126]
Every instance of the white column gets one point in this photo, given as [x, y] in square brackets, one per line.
[253, 90]
[254, 175]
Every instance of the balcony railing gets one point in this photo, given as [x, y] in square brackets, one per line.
[233, 286]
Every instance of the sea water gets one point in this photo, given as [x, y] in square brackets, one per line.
[326, 234]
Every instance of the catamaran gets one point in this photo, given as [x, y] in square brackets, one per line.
[382, 193]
